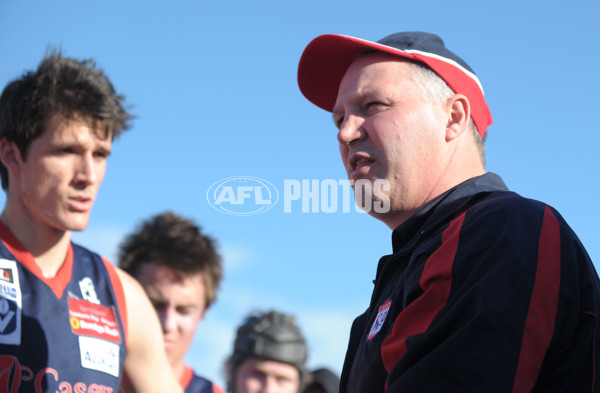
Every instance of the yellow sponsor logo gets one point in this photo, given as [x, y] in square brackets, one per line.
[75, 323]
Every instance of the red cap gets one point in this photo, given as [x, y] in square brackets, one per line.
[327, 57]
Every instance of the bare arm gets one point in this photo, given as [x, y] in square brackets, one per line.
[146, 367]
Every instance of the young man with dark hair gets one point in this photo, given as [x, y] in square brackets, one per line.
[180, 270]
[69, 320]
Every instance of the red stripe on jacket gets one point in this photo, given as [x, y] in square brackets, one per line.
[436, 282]
[543, 305]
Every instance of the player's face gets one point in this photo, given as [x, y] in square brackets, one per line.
[389, 130]
[180, 305]
[256, 375]
[55, 186]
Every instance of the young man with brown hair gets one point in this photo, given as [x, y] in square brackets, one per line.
[180, 269]
[69, 320]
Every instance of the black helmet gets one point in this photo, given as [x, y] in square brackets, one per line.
[272, 336]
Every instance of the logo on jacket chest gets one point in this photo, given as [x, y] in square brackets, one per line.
[379, 319]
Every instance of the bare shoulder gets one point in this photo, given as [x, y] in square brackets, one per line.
[129, 283]
[140, 312]
[134, 293]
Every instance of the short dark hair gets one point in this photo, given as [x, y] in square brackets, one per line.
[173, 241]
[75, 89]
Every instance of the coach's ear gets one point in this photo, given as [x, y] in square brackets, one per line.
[10, 155]
[459, 112]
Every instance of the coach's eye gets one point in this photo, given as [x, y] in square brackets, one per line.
[339, 121]
[374, 106]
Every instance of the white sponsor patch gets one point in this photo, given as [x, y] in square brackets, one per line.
[10, 303]
[99, 355]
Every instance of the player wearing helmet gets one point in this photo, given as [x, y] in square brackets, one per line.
[269, 354]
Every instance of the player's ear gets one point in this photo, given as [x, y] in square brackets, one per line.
[10, 155]
[459, 112]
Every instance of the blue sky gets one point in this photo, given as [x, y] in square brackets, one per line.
[213, 86]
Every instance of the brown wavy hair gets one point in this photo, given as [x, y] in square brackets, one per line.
[76, 89]
[173, 241]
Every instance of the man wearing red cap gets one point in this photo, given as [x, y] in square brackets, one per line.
[486, 291]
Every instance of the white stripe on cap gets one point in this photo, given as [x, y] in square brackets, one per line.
[447, 60]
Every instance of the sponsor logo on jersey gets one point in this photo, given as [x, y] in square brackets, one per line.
[10, 374]
[88, 291]
[380, 319]
[99, 355]
[6, 275]
[14, 375]
[93, 320]
[10, 303]
[98, 333]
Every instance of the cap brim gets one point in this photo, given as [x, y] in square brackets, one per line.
[324, 63]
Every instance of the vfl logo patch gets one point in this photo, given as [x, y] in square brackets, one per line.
[10, 303]
[380, 319]
[8, 311]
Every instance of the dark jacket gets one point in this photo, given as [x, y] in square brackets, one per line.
[486, 291]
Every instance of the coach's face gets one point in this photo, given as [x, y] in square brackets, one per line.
[389, 130]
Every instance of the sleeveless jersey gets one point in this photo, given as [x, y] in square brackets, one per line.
[193, 383]
[63, 334]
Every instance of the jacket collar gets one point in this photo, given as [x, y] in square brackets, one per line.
[405, 236]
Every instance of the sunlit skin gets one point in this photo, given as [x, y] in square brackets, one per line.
[52, 189]
[51, 193]
[256, 375]
[180, 305]
[389, 130]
